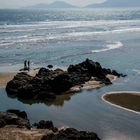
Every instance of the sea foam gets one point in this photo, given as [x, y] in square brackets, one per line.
[115, 45]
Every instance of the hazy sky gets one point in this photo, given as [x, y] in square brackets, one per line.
[22, 3]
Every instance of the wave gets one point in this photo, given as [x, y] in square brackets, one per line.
[29, 38]
[64, 25]
[125, 30]
[62, 36]
[115, 45]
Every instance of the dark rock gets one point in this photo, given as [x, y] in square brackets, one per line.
[13, 117]
[71, 134]
[49, 83]
[106, 71]
[2, 123]
[18, 81]
[44, 125]
[61, 83]
[50, 66]
[114, 72]
[21, 114]
[106, 81]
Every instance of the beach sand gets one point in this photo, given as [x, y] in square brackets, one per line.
[13, 133]
[5, 77]
[126, 100]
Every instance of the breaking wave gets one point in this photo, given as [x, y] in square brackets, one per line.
[115, 45]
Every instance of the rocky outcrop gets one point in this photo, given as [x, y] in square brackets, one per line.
[14, 117]
[64, 134]
[49, 83]
[71, 134]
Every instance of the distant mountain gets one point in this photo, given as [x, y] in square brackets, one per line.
[57, 4]
[116, 3]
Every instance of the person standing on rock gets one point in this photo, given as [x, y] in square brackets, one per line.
[28, 65]
[25, 65]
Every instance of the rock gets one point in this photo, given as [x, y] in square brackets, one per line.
[88, 66]
[2, 123]
[45, 130]
[61, 83]
[114, 72]
[106, 81]
[44, 125]
[21, 114]
[47, 83]
[50, 66]
[14, 117]
[106, 71]
[71, 134]
[19, 80]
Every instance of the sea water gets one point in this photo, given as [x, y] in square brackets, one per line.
[64, 37]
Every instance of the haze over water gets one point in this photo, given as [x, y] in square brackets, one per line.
[64, 37]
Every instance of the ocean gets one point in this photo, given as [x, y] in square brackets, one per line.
[64, 37]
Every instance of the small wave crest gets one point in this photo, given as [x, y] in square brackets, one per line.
[115, 45]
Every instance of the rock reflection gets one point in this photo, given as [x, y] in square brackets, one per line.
[59, 101]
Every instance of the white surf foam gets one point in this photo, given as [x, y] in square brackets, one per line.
[65, 24]
[115, 45]
[68, 36]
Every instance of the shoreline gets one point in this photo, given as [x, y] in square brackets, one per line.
[137, 93]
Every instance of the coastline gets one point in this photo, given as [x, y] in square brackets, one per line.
[119, 106]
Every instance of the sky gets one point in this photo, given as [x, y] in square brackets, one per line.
[23, 3]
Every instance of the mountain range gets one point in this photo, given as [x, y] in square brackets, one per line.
[106, 4]
[116, 3]
[57, 4]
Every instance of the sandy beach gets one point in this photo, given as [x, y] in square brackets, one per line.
[5, 77]
[128, 100]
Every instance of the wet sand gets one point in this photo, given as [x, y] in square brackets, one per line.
[126, 100]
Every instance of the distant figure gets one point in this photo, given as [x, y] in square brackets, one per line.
[28, 65]
[25, 65]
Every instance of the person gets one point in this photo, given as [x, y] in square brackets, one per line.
[28, 65]
[25, 65]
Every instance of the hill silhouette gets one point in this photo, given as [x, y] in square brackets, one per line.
[116, 3]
